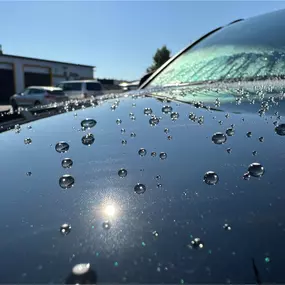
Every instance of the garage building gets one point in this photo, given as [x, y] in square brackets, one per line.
[18, 72]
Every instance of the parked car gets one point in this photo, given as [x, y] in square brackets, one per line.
[80, 89]
[37, 95]
[180, 182]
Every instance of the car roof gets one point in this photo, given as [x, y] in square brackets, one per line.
[44, 87]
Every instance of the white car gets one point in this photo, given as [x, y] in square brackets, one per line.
[80, 89]
[37, 95]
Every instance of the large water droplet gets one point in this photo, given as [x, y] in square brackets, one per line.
[66, 181]
[197, 243]
[142, 152]
[256, 169]
[62, 147]
[140, 188]
[166, 109]
[153, 121]
[88, 139]
[280, 130]
[122, 172]
[88, 123]
[153, 154]
[147, 111]
[28, 141]
[174, 116]
[67, 163]
[230, 132]
[163, 155]
[219, 138]
[106, 225]
[118, 121]
[211, 178]
[65, 229]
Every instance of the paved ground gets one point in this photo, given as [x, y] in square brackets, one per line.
[4, 108]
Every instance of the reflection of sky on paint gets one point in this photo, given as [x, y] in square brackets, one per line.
[182, 209]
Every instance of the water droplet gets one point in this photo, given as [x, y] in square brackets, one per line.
[62, 147]
[88, 139]
[116, 264]
[28, 141]
[29, 127]
[106, 225]
[80, 269]
[133, 135]
[256, 169]
[158, 177]
[67, 163]
[166, 130]
[118, 121]
[267, 259]
[155, 233]
[219, 138]
[227, 227]
[280, 130]
[66, 181]
[229, 150]
[174, 116]
[124, 142]
[17, 128]
[122, 172]
[166, 109]
[192, 117]
[211, 178]
[163, 155]
[200, 120]
[140, 188]
[230, 132]
[153, 154]
[142, 152]
[147, 111]
[65, 229]
[88, 123]
[261, 139]
[123, 131]
[197, 243]
[158, 185]
[131, 115]
[249, 134]
[113, 107]
[246, 176]
[169, 137]
[153, 121]
[29, 173]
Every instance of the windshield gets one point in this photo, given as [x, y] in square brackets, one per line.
[247, 49]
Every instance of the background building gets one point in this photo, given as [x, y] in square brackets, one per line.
[17, 73]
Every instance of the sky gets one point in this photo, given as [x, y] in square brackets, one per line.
[118, 37]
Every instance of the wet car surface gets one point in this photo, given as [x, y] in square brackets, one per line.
[177, 184]
[180, 225]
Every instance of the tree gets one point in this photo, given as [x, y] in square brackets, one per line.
[161, 56]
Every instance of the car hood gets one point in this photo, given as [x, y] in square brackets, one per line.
[174, 227]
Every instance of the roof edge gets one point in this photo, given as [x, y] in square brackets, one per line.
[46, 60]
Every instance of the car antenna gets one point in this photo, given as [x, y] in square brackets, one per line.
[256, 272]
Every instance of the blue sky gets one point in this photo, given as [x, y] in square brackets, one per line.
[118, 37]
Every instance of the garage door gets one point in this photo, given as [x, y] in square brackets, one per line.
[7, 87]
[37, 76]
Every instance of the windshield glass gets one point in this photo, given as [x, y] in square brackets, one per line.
[247, 49]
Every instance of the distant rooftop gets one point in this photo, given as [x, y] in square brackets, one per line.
[45, 60]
